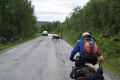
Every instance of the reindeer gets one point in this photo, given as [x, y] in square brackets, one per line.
[106, 35]
[56, 38]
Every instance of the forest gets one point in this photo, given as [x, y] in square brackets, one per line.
[17, 20]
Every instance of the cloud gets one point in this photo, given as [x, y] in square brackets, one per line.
[53, 10]
[52, 13]
[49, 17]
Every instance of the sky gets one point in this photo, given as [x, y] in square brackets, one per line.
[55, 10]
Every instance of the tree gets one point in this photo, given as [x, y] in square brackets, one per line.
[16, 19]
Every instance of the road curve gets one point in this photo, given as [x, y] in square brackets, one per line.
[38, 59]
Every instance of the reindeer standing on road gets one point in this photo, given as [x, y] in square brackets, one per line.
[56, 38]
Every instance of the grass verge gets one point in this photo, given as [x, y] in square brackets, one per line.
[11, 44]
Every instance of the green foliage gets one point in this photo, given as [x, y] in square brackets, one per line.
[51, 27]
[16, 19]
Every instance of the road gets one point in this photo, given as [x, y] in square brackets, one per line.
[38, 59]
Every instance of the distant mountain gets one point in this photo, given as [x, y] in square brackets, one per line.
[40, 23]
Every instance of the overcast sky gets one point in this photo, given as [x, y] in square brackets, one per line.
[53, 10]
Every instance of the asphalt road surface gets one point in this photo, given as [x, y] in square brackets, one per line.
[38, 59]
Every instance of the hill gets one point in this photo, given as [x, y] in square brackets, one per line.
[40, 23]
